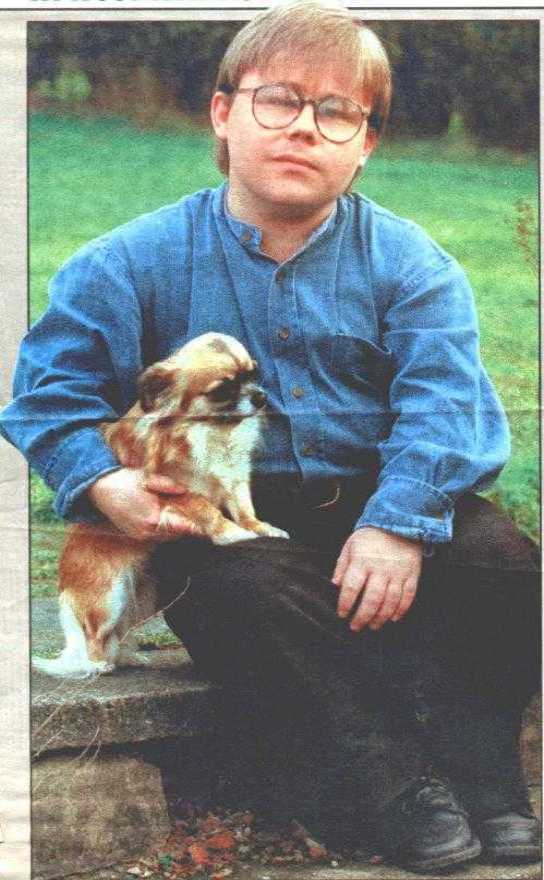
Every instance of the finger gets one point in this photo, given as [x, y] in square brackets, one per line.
[389, 606]
[341, 566]
[162, 484]
[409, 591]
[353, 582]
[172, 524]
[371, 601]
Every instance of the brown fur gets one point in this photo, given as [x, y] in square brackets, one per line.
[103, 581]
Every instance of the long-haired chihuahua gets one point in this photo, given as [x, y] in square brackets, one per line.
[197, 421]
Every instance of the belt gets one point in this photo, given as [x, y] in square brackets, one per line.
[316, 493]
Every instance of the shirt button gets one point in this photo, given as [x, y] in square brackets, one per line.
[284, 333]
[297, 391]
[308, 449]
[245, 237]
[280, 275]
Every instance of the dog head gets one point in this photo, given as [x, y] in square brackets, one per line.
[211, 378]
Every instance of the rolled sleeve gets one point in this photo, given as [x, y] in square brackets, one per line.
[411, 509]
[77, 367]
[75, 466]
[449, 433]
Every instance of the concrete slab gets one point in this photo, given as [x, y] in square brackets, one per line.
[165, 699]
[475, 871]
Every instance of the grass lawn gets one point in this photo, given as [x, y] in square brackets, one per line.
[87, 176]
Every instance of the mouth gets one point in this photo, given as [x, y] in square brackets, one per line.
[291, 159]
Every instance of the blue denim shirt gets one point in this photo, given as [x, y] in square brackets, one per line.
[366, 339]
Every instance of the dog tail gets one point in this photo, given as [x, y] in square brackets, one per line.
[71, 664]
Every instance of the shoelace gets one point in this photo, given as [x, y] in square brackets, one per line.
[432, 794]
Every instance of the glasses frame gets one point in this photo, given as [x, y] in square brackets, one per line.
[303, 101]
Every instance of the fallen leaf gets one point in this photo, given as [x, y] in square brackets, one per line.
[224, 840]
[199, 854]
[210, 823]
[317, 852]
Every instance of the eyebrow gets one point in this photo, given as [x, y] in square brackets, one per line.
[298, 88]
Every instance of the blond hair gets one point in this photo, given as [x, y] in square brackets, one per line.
[311, 31]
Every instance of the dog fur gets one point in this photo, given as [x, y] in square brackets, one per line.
[197, 421]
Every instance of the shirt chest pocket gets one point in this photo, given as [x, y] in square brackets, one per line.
[362, 364]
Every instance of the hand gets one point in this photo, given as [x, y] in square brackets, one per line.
[131, 502]
[381, 567]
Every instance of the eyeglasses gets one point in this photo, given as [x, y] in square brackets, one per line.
[277, 105]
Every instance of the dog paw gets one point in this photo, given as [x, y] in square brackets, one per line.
[268, 531]
[232, 534]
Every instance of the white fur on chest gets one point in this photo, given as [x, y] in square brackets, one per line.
[220, 457]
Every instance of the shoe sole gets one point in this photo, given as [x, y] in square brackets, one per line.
[433, 864]
[521, 853]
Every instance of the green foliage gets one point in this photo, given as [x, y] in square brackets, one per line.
[527, 233]
[184, 55]
[500, 90]
[427, 59]
[486, 72]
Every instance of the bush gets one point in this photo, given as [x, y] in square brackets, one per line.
[150, 71]
[500, 90]
[129, 64]
[427, 59]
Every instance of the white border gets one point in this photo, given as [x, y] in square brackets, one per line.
[14, 649]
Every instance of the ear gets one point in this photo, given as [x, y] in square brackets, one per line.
[371, 140]
[152, 385]
[219, 113]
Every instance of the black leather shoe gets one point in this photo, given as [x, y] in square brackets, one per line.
[512, 837]
[426, 829]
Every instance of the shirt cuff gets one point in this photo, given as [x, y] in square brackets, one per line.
[78, 463]
[410, 508]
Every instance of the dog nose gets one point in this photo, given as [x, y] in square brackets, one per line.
[258, 398]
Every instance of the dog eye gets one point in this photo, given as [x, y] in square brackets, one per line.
[227, 390]
[249, 375]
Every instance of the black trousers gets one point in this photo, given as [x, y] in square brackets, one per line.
[347, 721]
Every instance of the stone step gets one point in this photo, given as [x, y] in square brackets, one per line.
[165, 699]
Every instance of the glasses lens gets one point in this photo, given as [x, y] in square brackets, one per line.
[338, 119]
[275, 106]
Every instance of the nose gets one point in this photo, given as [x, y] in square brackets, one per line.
[304, 123]
[258, 398]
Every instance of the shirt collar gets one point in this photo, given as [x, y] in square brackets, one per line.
[250, 236]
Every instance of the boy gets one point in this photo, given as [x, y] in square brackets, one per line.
[378, 622]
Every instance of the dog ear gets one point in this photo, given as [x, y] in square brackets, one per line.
[152, 385]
